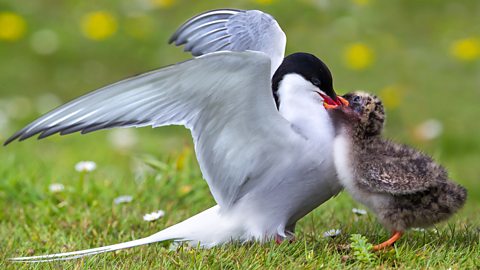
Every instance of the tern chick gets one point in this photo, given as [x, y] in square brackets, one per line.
[403, 187]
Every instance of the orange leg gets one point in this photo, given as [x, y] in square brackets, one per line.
[389, 242]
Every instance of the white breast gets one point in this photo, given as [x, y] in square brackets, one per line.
[343, 159]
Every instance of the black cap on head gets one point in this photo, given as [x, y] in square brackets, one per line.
[309, 67]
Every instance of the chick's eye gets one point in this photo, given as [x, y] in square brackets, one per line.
[316, 82]
[356, 99]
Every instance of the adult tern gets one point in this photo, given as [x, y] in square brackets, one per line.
[262, 137]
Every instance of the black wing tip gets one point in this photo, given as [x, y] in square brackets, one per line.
[23, 135]
[173, 38]
[8, 141]
[13, 137]
[20, 137]
[65, 130]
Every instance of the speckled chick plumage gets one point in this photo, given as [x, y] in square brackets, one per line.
[404, 187]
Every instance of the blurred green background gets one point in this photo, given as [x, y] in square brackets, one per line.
[421, 57]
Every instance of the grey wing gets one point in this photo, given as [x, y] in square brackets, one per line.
[233, 30]
[224, 98]
[401, 170]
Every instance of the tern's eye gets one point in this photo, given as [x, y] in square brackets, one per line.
[316, 82]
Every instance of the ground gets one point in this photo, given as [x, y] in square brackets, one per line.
[421, 58]
[37, 220]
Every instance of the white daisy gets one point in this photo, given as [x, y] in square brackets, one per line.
[418, 229]
[359, 212]
[123, 199]
[154, 215]
[85, 166]
[332, 233]
[56, 187]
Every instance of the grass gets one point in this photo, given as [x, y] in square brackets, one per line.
[37, 221]
[412, 67]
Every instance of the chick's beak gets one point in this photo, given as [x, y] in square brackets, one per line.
[329, 103]
[343, 101]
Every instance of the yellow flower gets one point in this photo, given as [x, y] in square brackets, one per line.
[392, 96]
[162, 3]
[361, 2]
[99, 25]
[12, 26]
[467, 49]
[358, 56]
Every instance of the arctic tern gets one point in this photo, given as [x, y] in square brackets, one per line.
[262, 137]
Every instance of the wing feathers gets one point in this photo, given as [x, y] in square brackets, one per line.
[212, 95]
[206, 27]
[210, 46]
[233, 30]
[201, 19]
[197, 39]
[399, 169]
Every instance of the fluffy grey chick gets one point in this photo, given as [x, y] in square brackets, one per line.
[402, 186]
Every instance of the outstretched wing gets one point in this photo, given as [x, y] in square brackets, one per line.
[233, 30]
[400, 169]
[224, 98]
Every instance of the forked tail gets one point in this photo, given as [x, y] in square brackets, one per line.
[207, 228]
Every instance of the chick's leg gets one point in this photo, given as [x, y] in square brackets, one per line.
[389, 242]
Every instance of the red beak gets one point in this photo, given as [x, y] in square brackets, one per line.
[329, 103]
